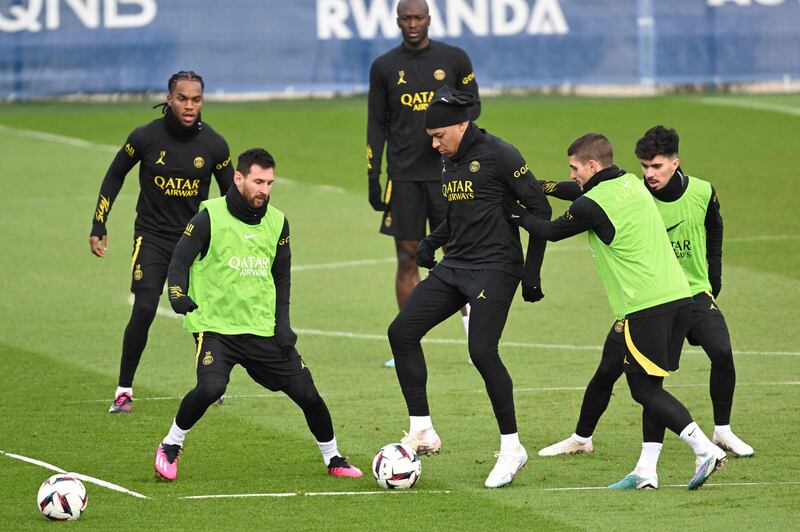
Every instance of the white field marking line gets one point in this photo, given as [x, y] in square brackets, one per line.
[243, 396]
[309, 494]
[168, 313]
[81, 476]
[703, 385]
[750, 104]
[61, 139]
[80, 143]
[709, 484]
[482, 390]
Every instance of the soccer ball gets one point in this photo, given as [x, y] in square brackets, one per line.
[62, 497]
[396, 466]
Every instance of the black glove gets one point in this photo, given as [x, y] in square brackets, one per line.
[532, 293]
[375, 194]
[285, 337]
[183, 304]
[425, 255]
[516, 213]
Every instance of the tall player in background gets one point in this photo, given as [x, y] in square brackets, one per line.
[401, 85]
[177, 154]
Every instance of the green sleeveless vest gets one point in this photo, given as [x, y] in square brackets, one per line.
[685, 222]
[638, 270]
[232, 285]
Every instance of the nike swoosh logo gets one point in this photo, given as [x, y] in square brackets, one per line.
[248, 237]
[674, 226]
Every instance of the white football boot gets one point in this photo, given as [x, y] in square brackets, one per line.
[706, 464]
[568, 446]
[508, 465]
[731, 442]
[424, 442]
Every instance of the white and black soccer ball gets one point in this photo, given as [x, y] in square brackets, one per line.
[396, 466]
[62, 497]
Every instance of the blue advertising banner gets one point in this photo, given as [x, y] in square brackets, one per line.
[59, 47]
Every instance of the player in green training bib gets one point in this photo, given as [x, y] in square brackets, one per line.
[690, 212]
[230, 274]
[647, 290]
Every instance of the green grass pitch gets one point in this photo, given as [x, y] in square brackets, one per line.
[62, 314]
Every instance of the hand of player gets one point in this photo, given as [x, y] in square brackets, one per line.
[183, 304]
[285, 337]
[425, 255]
[532, 293]
[375, 194]
[716, 288]
[98, 245]
[516, 213]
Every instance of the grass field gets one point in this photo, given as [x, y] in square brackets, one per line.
[62, 313]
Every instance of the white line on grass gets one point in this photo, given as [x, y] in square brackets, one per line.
[750, 104]
[168, 313]
[310, 494]
[61, 139]
[81, 476]
[481, 390]
[709, 484]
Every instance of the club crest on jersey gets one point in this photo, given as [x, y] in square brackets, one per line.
[137, 273]
[161, 156]
[439, 74]
[474, 166]
[401, 77]
[199, 162]
[619, 326]
[208, 359]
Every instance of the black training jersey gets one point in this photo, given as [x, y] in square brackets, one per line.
[174, 176]
[485, 174]
[401, 85]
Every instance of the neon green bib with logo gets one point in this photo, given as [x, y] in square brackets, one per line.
[685, 221]
[638, 270]
[232, 285]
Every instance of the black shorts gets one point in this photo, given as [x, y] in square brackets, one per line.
[411, 205]
[707, 324]
[654, 342]
[150, 261]
[261, 356]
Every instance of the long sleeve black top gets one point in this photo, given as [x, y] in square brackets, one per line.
[401, 85]
[175, 168]
[484, 174]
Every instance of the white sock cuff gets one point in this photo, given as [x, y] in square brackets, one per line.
[122, 389]
[509, 441]
[689, 428]
[581, 439]
[418, 423]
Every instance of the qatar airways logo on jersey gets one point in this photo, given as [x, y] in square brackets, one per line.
[368, 19]
[250, 266]
[178, 186]
[458, 190]
[417, 101]
[38, 15]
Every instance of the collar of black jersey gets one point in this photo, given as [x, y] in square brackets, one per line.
[177, 130]
[238, 207]
[674, 188]
[612, 172]
[470, 136]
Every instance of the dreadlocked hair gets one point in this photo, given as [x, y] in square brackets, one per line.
[189, 75]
